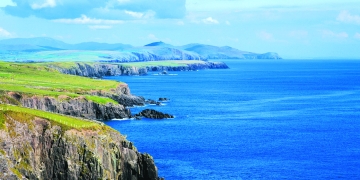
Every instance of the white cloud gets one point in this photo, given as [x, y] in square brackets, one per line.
[345, 16]
[300, 34]
[266, 36]
[210, 20]
[134, 14]
[153, 37]
[47, 3]
[357, 35]
[331, 34]
[227, 22]
[95, 27]
[86, 20]
[4, 32]
[123, 1]
[180, 23]
[4, 3]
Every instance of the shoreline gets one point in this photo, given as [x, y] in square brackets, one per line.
[98, 70]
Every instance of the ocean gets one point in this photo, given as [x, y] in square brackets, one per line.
[260, 119]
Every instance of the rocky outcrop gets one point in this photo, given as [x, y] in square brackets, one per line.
[129, 100]
[77, 107]
[164, 99]
[34, 148]
[123, 96]
[153, 114]
[80, 106]
[101, 69]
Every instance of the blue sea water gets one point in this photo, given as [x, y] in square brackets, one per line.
[260, 119]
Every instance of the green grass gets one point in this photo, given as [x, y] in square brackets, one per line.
[2, 120]
[38, 79]
[101, 100]
[66, 121]
[172, 63]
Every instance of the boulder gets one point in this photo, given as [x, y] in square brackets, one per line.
[163, 99]
[153, 114]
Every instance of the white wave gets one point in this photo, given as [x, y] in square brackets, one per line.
[123, 119]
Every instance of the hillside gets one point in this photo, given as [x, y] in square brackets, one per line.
[50, 126]
[36, 85]
[47, 49]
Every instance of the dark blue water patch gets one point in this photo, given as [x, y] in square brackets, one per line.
[257, 120]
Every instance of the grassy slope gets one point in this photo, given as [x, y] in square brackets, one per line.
[65, 121]
[37, 79]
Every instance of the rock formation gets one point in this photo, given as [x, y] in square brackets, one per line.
[35, 148]
[153, 114]
[80, 107]
[107, 69]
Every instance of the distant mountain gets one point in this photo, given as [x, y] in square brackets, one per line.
[121, 52]
[226, 52]
[99, 46]
[40, 42]
[44, 43]
[159, 44]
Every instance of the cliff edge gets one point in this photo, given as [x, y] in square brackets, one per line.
[33, 147]
[48, 127]
[114, 68]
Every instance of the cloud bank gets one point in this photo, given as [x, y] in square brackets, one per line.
[4, 33]
[101, 9]
[345, 16]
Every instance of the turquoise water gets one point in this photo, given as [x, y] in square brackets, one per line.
[274, 119]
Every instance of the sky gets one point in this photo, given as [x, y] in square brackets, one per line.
[294, 29]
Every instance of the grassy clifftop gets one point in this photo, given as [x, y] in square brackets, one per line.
[54, 138]
[66, 122]
[38, 79]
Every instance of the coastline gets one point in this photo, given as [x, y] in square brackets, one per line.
[50, 127]
[55, 117]
[129, 69]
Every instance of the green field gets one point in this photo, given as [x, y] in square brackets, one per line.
[38, 79]
[57, 118]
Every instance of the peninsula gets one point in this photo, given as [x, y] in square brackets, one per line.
[50, 128]
[51, 112]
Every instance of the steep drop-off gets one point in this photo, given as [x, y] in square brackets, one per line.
[109, 69]
[41, 136]
[80, 106]
[37, 148]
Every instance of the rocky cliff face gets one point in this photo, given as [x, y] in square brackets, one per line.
[79, 107]
[34, 148]
[99, 70]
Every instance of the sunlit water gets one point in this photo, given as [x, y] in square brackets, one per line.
[274, 119]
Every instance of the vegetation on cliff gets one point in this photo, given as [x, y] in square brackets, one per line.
[40, 80]
[43, 137]
[42, 145]
[64, 121]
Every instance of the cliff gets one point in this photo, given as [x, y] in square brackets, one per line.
[122, 69]
[79, 106]
[39, 87]
[41, 136]
[34, 147]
